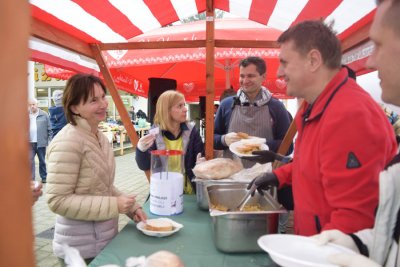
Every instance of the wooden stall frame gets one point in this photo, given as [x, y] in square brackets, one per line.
[16, 231]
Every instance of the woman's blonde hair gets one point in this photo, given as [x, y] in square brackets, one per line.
[164, 104]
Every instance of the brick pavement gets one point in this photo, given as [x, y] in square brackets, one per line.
[128, 178]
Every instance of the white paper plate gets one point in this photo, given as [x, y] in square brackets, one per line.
[300, 251]
[233, 148]
[177, 226]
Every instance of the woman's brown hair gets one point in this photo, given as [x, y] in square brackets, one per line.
[79, 87]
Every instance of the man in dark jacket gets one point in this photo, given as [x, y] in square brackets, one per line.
[253, 111]
[57, 115]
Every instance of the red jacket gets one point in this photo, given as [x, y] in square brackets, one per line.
[340, 149]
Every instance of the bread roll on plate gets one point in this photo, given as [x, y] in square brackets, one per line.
[159, 225]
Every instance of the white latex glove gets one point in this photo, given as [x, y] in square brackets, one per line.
[336, 237]
[352, 260]
[230, 138]
[146, 142]
[200, 159]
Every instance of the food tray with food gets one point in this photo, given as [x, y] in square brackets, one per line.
[201, 189]
[229, 225]
[159, 227]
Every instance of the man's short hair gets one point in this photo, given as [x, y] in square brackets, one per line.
[315, 34]
[32, 100]
[391, 16]
[260, 64]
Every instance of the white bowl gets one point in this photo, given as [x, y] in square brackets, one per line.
[177, 226]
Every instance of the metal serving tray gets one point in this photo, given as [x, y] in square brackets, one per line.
[238, 231]
[201, 190]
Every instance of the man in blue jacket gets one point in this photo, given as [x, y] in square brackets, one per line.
[57, 115]
[40, 135]
[253, 111]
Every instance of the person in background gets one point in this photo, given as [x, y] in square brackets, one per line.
[175, 134]
[344, 139]
[40, 135]
[132, 114]
[379, 246]
[216, 106]
[226, 93]
[141, 115]
[253, 111]
[57, 116]
[81, 171]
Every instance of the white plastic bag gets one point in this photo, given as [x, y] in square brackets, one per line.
[72, 257]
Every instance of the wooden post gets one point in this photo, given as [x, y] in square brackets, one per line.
[16, 231]
[123, 113]
[210, 47]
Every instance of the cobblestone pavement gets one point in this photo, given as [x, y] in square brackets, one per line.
[128, 178]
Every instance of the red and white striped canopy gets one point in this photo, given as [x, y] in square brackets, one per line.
[113, 21]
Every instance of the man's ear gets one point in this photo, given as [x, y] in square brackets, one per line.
[315, 59]
[264, 76]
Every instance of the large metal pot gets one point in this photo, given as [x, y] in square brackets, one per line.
[238, 231]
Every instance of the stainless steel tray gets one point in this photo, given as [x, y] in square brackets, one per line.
[201, 190]
[238, 231]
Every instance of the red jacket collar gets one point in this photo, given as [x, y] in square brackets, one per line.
[322, 101]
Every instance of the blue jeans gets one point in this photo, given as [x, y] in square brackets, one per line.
[41, 152]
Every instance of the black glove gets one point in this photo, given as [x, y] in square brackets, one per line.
[263, 182]
[265, 156]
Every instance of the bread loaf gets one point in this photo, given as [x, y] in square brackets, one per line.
[159, 225]
[218, 168]
[165, 259]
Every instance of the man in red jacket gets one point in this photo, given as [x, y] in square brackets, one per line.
[344, 138]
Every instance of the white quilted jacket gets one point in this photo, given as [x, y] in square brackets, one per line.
[81, 169]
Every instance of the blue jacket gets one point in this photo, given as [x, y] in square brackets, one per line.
[57, 119]
[195, 146]
[278, 113]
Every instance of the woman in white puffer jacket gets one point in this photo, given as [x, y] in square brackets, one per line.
[81, 170]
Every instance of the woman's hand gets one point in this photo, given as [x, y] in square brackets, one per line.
[36, 188]
[146, 142]
[125, 203]
[139, 215]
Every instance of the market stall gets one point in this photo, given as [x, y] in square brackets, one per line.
[86, 44]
